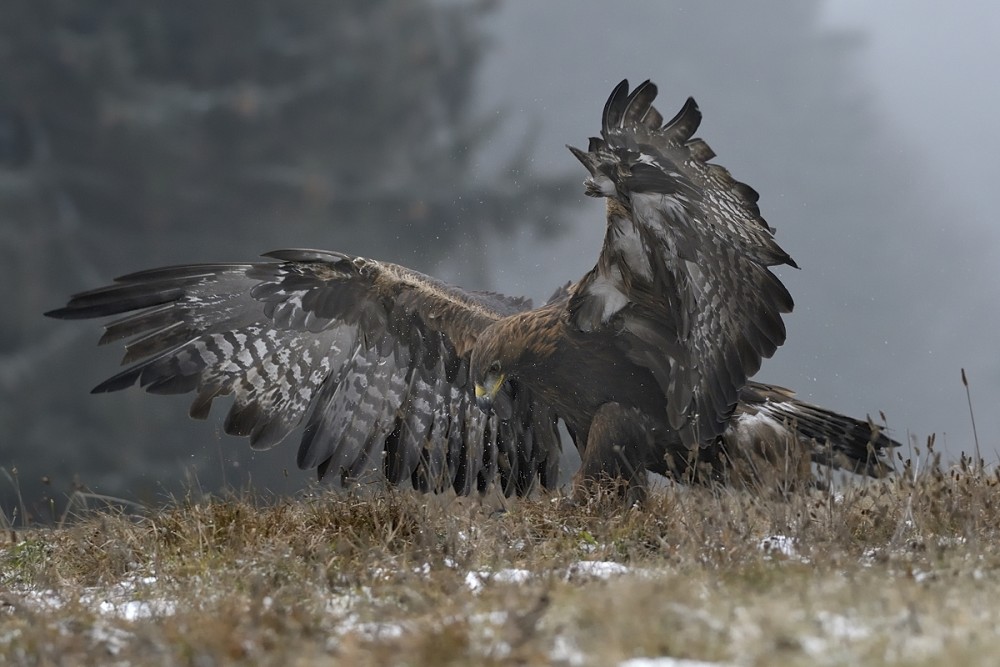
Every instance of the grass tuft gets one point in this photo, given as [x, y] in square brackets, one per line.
[902, 570]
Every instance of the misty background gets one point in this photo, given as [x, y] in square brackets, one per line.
[432, 134]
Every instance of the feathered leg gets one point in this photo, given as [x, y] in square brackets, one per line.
[614, 458]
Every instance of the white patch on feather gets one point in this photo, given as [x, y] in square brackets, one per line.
[657, 211]
[271, 370]
[603, 184]
[748, 429]
[224, 345]
[674, 206]
[645, 158]
[606, 288]
[632, 249]
[697, 278]
[245, 358]
[759, 420]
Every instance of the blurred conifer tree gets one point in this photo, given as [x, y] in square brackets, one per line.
[134, 134]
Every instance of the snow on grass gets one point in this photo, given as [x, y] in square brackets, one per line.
[668, 662]
[580, 570]
[128, 599]
[779, 545]
[524, 606]
[42, 600]
[132, 610]
[476, 581]
[596, 569]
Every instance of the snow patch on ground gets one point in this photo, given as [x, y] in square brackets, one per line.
[782, 546]
[476, 581]
[596, 569]
[43, 600]
[139, 598]
[128, 600]
[125, 600]
[132, 610]
[668, 662]
[581, 570]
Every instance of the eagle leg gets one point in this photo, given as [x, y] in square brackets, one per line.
[614, 458]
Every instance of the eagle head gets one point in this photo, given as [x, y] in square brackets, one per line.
[491, 368]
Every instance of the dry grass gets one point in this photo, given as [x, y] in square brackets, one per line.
[901, 571]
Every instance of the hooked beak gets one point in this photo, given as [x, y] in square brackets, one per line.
[490, 399]
[486, 393]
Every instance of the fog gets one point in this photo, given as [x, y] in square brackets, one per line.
[891, 303]
[439, 142]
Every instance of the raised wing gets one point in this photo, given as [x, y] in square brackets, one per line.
[375, 354]
[683, 277]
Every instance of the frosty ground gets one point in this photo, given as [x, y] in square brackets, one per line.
[900, 571]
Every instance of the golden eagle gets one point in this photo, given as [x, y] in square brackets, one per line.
[646, 359]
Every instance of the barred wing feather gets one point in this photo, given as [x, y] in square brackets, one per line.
[371, 355]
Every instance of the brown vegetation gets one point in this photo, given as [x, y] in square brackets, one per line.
[898, 571]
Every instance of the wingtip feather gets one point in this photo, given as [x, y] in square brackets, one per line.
[614, 108]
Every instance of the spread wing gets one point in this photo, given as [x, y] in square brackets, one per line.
[373, 356]
[683, 277]
[832, 439]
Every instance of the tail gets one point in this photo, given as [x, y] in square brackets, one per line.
[771, 413]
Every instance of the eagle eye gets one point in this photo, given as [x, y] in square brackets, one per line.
[494, 368]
